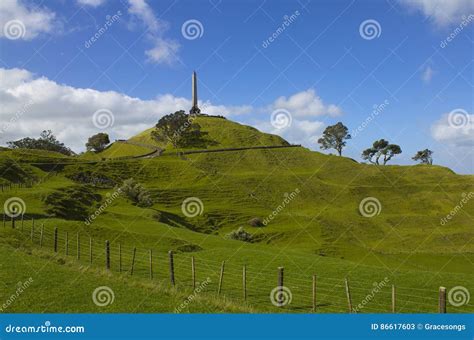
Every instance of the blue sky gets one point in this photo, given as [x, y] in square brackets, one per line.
[321, 67]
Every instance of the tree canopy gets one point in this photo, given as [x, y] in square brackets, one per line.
[424, 156]
[179, 129]
[98, 142]
[46, 141]
[334, 137]
[381, 148]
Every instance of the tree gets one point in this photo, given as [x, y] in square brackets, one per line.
[424, 156]
[381, 148]
[178, 128]
[97, 142]
[136, 193]
[46, 141]
[334, 137]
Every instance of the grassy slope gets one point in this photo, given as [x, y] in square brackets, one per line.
[321, 230]
[225, 133]
[72, 285]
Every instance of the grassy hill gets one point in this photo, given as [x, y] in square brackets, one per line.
[310, 201]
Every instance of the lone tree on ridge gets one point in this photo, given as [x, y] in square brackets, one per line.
[334, 137]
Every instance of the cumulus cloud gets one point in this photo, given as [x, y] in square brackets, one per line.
[164, 50]
[19, 21]
[92, 3]
[304, 132]
[306, 104]
[442, 12]
[455, 128]
[31, 104]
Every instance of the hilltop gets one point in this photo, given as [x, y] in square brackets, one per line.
[218, 132]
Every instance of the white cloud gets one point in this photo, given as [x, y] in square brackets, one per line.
[92, 3]
[427, 75]
[143, 12]
[442, 12]
[19, 21]
[302, 132]
[164, 51]
[455, 130]
[31, 104]
[306, 104]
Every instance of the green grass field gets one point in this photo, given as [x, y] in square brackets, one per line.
[316, 229]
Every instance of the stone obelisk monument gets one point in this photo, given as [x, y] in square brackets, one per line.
[195, 109]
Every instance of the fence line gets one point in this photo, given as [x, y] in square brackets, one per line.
[250, 285]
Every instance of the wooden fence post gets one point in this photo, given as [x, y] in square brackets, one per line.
[55, 238]
[133, 260]
[280, 296]
[32, 231]
[78, 247]
[170, 254]
[107, 255]
[221, 278]
[67, 244]
[244, 281]
[120, 257]
[151, 263]
[393, 298]
[22, 220]
[13, 219]
[193, 272]
[442, 300]
[90, 250]
[314, 293]
[55, 235]
[348, 294]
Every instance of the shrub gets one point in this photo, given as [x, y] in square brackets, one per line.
[72, 203]
[256, 222]
[136, 193]
[240, 235]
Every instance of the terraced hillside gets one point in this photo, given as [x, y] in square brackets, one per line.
[300, 209]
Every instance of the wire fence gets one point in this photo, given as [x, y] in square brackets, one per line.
[281, 290]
